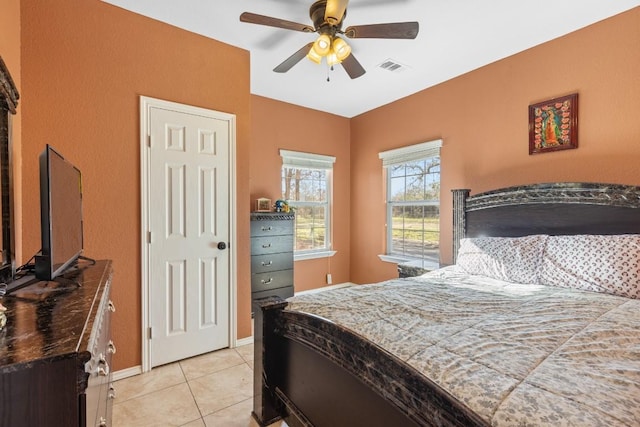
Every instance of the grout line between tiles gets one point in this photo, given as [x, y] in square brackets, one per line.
[193, 396]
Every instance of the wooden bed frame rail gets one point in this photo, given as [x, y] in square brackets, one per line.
[334, 374]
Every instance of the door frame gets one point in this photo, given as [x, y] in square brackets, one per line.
[146, 103]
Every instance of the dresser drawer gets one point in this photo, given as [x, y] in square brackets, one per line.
[271, 228]
[274, 279]
[271, 262]
[99, 366]
[283, 293]
[271, 244]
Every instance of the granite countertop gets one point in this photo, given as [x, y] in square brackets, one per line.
[52, 319]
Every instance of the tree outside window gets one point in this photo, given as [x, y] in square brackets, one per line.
[414, 209]
[413, 204]
[306, 191]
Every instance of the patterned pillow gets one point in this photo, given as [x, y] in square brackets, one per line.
[596, 263]
[512, 259]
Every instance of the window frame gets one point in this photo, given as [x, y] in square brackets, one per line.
[303, 160]
[396, 157]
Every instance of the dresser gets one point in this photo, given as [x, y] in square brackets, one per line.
[56, 350]
[271, 254]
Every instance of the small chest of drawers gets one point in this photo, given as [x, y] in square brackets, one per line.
[271, 254]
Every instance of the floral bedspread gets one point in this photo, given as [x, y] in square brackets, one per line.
[517, 355]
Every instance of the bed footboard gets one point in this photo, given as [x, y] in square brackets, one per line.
[311, 372]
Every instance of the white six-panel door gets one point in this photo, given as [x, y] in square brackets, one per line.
[189, 233]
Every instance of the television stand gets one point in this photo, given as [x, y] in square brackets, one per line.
[17, 284]
[91, 261]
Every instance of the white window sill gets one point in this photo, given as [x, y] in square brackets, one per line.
[411, 262]
[393, 259]
[312, 255]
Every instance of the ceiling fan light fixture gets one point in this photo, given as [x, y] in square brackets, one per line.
[322, 45]
[332, 59]
[341, 48]
[313, 55]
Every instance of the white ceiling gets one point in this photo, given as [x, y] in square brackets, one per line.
[456, 36]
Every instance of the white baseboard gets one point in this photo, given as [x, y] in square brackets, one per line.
[244, 341]
[326, 288]
[137, 370]
[126, 373]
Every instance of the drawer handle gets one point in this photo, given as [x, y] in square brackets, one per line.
[112, 307]
[111, 347]
[268, 245]
[266, 282]
[112, 393]
[267, 228]
[266, 264]
[103, 422]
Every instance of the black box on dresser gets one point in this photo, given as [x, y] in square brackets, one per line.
[56, 350]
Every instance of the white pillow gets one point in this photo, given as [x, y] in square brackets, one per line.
[512, 259]
[597, 263]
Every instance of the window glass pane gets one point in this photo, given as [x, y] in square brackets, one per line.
[396, 170]
[304, 185]
[415, 168]
[415, 188]
[397, 189]
[310, 228]
[308, 193]
[304, 220]
[290, 183]
[318, 216]
[432, 179]
[415, 221]
[409, 231]
[318, 234]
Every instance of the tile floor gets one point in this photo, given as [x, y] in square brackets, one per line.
[215, 389]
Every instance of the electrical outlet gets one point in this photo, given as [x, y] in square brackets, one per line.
[329, 281]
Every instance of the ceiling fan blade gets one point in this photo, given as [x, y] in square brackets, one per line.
[334, 11]
[353, 67]
[254, 18]
[396, 30]
[293, 59]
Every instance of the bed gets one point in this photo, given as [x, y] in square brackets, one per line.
[537, 323]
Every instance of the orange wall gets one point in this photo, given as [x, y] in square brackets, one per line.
[277, 125]
[84, 65]
[483, 119]
[10, 53]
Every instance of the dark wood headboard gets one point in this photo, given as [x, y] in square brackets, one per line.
[554, 208]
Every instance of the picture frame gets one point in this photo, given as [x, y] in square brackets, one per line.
[263, 205]
[553, 124]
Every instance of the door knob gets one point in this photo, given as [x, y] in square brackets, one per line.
[222, 246]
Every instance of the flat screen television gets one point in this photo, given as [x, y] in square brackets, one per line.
[60, 215]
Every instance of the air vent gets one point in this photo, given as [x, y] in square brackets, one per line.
[393, 66]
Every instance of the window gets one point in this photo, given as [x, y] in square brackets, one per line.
[306, 185]
[413, 204]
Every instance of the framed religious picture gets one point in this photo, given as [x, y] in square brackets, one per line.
[263, 205]
[553, 124]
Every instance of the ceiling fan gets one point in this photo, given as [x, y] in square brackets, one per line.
[327, 17]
